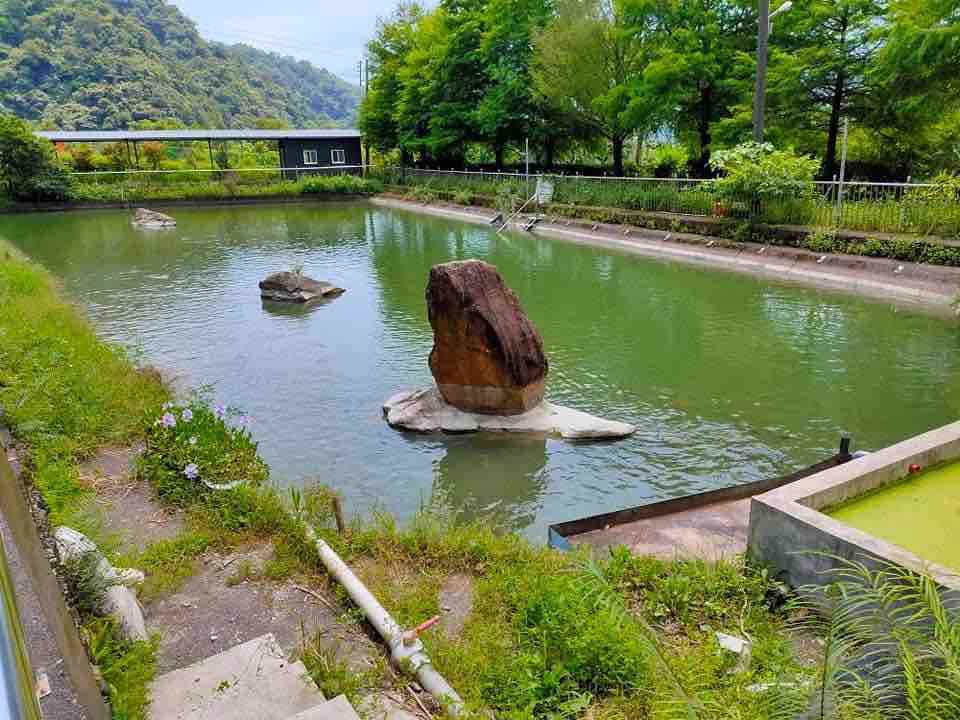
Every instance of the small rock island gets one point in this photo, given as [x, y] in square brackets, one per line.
[296, 288]
[151, 219]
[489, 365]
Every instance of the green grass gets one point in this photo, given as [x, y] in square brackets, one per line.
[192, 188]
[167, 564]
[64, 391]
[127, 668]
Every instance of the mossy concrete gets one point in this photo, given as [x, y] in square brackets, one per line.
[791, 532]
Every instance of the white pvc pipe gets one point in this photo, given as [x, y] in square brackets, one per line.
[405, 654]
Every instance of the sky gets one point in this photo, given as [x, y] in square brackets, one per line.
[329, 33]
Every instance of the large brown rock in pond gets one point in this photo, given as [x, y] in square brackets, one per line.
[487, 356]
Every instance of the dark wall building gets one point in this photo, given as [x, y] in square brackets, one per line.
[300, 150]
[325, 152]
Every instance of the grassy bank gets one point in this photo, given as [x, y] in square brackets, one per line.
[150, 188]
[549, 635]
[64, 393]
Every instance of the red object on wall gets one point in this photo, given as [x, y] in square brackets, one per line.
[914, 468]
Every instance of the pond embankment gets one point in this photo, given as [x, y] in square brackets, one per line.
[934, 286]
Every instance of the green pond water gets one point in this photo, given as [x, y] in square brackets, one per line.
[920, 513]
[728, 377]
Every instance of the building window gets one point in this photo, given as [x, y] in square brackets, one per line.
[309, 157]
[338, 157]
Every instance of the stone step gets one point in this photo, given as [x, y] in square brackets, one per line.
[252, 681]
[337, 709]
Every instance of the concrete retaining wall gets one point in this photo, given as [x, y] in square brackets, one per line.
[789, 534]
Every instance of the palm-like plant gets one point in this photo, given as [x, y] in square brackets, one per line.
[891, 644]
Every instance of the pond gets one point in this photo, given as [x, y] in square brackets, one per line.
[728, 377]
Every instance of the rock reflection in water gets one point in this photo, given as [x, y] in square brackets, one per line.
[511, 470]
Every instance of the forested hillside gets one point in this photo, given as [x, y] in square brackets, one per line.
[112, 63]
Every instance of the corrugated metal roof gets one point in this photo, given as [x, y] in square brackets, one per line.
[188, 135]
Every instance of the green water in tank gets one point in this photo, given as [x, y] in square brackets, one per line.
[920, 513]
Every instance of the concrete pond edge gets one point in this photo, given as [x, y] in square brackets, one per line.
[932, 287]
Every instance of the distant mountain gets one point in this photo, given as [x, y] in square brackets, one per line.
[106, 64]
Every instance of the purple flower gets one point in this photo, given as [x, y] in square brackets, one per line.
[168, 420]
[191, 471]
[187, 415]
[220, 411]
[244, 421]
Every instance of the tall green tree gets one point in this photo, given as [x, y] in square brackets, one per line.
[379, 111]
[29, 168]
[587, 61]
[509, 110]
[821, 72]
[700, 46]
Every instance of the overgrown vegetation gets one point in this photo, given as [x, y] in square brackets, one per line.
[207, 447]
[65, 393]
[126, 667]
[29, 169]
[761, 193]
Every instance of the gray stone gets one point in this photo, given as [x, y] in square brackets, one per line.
[296, 288]
[427, 411]
[119, 600]
[152, 219]
[252, 681]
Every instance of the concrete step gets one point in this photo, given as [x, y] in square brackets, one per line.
[252, 681]
[337, 709]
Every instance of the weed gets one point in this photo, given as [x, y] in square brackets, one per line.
[127, 668]
[85, 584]
[193, 447]
[242, 573]
[463, 197]
[168, 563]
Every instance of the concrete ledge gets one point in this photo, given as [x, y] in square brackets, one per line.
[790, 534]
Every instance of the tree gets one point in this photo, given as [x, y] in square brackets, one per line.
[509, 109]
[154, 152]
[379, 111]
[700, 47]
[822, 75]
[587, 59]
[29, 168]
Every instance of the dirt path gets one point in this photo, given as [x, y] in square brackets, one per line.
[227, 600]
[230, 598]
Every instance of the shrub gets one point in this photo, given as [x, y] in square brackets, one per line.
[29, 168]
[759, 172]
[191, 448]
[340, 185]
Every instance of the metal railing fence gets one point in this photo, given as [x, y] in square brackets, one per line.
[883, 207]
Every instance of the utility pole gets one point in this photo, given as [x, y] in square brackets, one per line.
[760, 92]
[364, 89]
[764, 26]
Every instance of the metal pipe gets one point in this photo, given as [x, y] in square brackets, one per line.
[406, 650]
